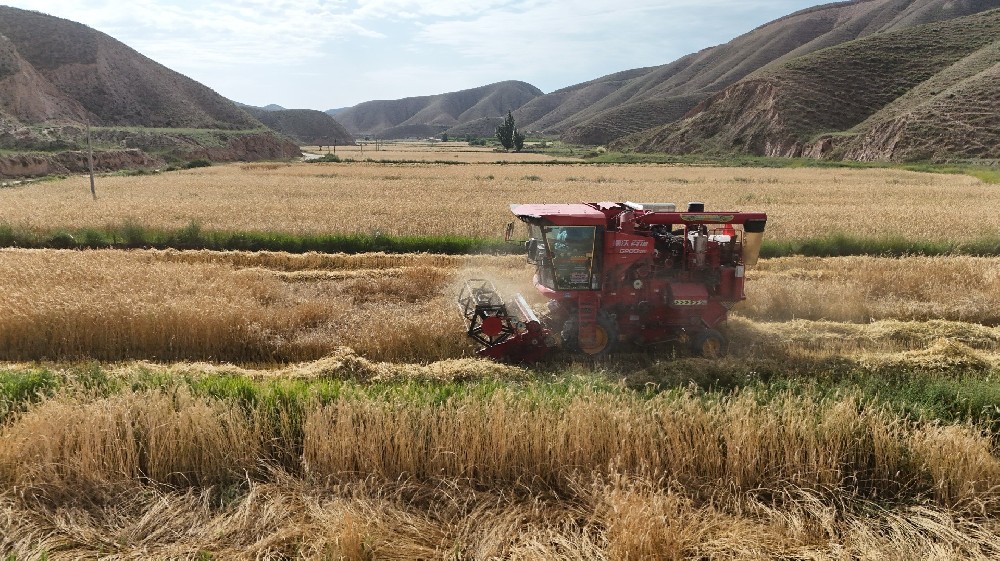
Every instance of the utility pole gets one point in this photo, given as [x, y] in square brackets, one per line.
[90, 162]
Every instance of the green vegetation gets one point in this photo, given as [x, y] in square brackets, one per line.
[132, 235]
[199, 163]
[834, 245]
[19, 388]
[508, 135]
[968, 393]
[326, 158]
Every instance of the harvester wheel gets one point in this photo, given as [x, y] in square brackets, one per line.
[709, 344]
[606, 337]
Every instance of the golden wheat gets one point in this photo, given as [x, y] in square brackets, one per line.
[264, 307]
[448, 519]
[588, 474]
[473, 199]
[742, 443]
[393, 478]
[861, 289]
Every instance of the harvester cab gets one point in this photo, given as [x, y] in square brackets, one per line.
[617, 273]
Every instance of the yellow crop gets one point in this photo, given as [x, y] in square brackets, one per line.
[473, 199]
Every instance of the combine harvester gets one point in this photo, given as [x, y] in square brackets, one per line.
[617, 273]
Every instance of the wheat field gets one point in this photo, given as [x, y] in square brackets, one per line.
[473, 199]
[157, 474]
[272, 307]
[262, 405]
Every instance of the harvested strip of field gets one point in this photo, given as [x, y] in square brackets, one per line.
[267, 307]
[472, 200]
[446, 518]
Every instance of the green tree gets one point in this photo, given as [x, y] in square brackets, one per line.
[518, 140]
[506, 131]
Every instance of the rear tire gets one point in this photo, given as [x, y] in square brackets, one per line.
[709, 344]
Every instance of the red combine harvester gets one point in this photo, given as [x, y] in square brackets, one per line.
[637, 273]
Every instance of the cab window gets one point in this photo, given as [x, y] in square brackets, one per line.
[572, 253]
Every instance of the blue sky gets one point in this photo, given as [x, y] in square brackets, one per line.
[323, 54]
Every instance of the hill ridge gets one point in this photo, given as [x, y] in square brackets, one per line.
[436, 112]
[851, 100]
[604, 110]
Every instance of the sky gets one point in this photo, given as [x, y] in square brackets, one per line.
[326, 54]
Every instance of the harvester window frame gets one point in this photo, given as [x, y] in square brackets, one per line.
[571, 249]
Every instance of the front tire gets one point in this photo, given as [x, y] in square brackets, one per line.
[605, 341]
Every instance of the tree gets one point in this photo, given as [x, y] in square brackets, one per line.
[507, 131]
[518, 140]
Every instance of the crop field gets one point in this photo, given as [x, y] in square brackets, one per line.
[232, 404]
[434, 199]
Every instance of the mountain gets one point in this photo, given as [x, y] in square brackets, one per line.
[640, 101]
[62, 74]
[306, 126]
[431, 115]
[85, 73]
[924, 92]
[601, 110]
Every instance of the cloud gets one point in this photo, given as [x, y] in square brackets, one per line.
[410, 47]
[218, 32]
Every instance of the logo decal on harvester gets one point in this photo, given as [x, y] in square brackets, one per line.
[707, 217]
[632, 246]
[690, 302]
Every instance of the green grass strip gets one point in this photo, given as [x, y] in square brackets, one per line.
[134, 236]
[961, 394]
[835, 245]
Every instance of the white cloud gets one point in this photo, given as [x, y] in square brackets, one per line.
[217, 32]
[409, 47]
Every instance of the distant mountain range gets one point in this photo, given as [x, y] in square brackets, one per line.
[830, 68]
[867, 79]
[435, 114]
[305, 126]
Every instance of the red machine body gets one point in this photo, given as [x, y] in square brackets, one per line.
[635, 273]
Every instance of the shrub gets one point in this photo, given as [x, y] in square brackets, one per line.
[61, 240]
[327, 158]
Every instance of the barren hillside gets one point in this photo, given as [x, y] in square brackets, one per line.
[927, 92]
[955, 114]
[115, 84]
[611, 107]
[57, 75]
[306, 126]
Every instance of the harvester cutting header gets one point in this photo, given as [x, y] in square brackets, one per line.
[616, 273]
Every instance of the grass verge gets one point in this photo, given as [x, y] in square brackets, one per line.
[131, 235]
[966, 393]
